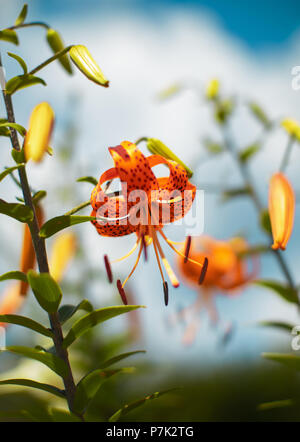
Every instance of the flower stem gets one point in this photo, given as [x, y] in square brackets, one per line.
[286, 155]
[50, 60]
[41, 255]
[27, 25]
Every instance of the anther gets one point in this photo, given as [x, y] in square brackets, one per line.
[166, 292]
[108, 269]
[203, 271]
[122, 292]
[187, 249]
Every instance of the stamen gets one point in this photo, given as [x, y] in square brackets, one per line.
[122, 292]
[166, 292]
[158, 260]
[203, 271]
[127, 254]
[144, 247]
[167, 266]
[177, 251]
[187, 248]
[136, 263]
[108, 269]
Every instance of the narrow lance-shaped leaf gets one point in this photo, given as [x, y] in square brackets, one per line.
[88, 179]
[276, 404]
[20, 212]
[26, 322]
[59, 223]
[278, 324]
[21, 82]
[17, 127]
[88, 387]
[291, 361]
[120, 357]
[94, 318]
[67, 311]
[286, 292]
[22, 16]
[246, 154]
[9, 170]
[46, 290]
[60, 415]
[33, 384]
[56, 44]
[53, 362]
[9, 35]
[20, 61]
[20, 276]
[127, 408]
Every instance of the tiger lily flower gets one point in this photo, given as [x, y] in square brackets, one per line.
[160, 201]
[281, 210]
[227, 273]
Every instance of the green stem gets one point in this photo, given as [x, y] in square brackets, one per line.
[77, 208]
[286, 155]
[27, 25]
[42, 260]
[50, 60]
[256, 200]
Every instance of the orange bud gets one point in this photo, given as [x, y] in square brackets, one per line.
[11, 301]
[39, 132]
[27, 261]
[281, 210]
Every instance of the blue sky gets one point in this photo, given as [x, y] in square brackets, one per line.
[258, 23]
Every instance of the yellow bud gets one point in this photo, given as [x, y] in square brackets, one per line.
[157, 147]
[212, 89]
[63, 250]
[83, 59]
[281, 210]
[292, 127]
[39, 132]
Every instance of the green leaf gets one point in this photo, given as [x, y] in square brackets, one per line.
[22, 15]
[265, 221]
[56, 44]
[46, 290]
[21, 82]
[38, 196]
[286, 292]
[59, 223]
[94, 318]
[60, 415]
[223, 110]
[277, 324]
[33, 384]
[26, 322]
[10, 36]
[20, 212]
[291, 361]
[18, 156]
[9, 170]
[260, 115]
[120, 357]
[4, 131]
[213, 147]
[276, 404]
[88, 387]
[65, 312]
[53, 362]
[20, 61]
[17, 127]
[127, 408]
[234, 193]
[88, 179]
[20, 276]
[246, 154]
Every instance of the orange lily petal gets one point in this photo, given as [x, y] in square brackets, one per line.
[281, 210]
